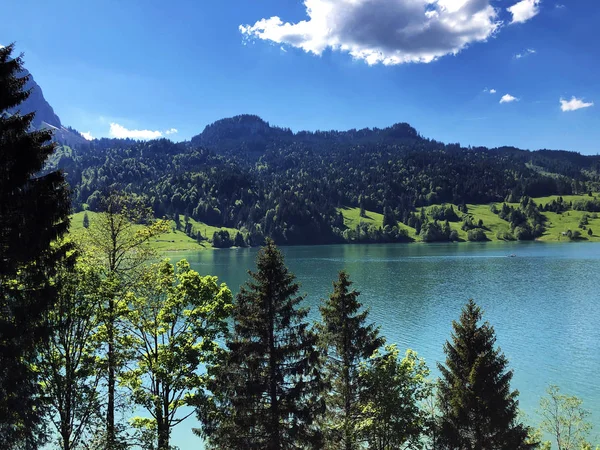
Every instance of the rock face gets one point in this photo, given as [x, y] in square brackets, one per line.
[45, 117]
[36, 102]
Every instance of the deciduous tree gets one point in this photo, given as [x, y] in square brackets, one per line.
[118, 238]
[392, 417]
[565, 418]
[176, 317]
[68, 363]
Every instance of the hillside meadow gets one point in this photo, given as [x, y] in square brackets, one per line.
[556, 225]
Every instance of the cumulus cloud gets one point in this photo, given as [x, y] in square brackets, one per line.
[507, 98]
[87, 136]
[120, 132]
[383, 31]
[490, 91]
[529, 51]
[574, 104]
[172, 131]
[524, 10]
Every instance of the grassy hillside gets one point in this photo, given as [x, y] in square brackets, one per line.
[174, 240]
[556, 224]
[352, 219]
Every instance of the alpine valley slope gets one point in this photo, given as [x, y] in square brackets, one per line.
[370, 185]
[242, 174]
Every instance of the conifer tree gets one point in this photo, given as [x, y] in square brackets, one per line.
[34, 212]
[348, 340]
[478, 409]
[267, 391]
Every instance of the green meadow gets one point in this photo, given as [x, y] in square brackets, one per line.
[172, 241]
[556, 224]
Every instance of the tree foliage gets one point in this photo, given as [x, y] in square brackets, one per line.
[267, 392]
[175, 318]
[348, 341]
[69, 362]
[478, 408]
[392, 413]
[34, 212]
[118, 240]
[565, 419]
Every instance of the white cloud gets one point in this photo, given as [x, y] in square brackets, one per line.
[493, 91]
[524, 10]
[88, 136]
[559, 6]
[507, 98]
[120, 132]
[171, 131]
[383, 31]
[574, 104]
[529, 51]
[489, 91]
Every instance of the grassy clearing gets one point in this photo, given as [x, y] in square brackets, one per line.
[556, 224]
[172, 241]
[569, 220]
[352, 219]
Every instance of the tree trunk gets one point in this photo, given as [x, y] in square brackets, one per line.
[275, 443]
[110, 409]
[163, 435]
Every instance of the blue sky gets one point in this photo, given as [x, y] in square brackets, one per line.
[110, 67]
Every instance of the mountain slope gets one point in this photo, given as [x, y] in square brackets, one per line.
[244, 174]
[45, 117]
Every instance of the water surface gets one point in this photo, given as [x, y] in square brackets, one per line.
[544, 303]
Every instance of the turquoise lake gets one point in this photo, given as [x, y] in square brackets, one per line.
[544, 304]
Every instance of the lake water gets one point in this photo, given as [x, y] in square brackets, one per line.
[544, 303]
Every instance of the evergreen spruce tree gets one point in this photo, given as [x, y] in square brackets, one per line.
[267, 391]
[348, 340]
[478, 409]
[389, 218]
[34, 212]
[86, 220]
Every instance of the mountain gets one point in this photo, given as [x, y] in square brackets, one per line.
[303, 187]
[250, 135]
[45, 117]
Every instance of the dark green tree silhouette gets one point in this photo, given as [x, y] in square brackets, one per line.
[34, 212]
[86, 220]
[267, 391]
[239, 240]
[478, 409]
[348, 340]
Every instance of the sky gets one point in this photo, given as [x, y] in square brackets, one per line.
[522, 73]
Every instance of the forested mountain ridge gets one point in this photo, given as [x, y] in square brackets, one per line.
[268, 181]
